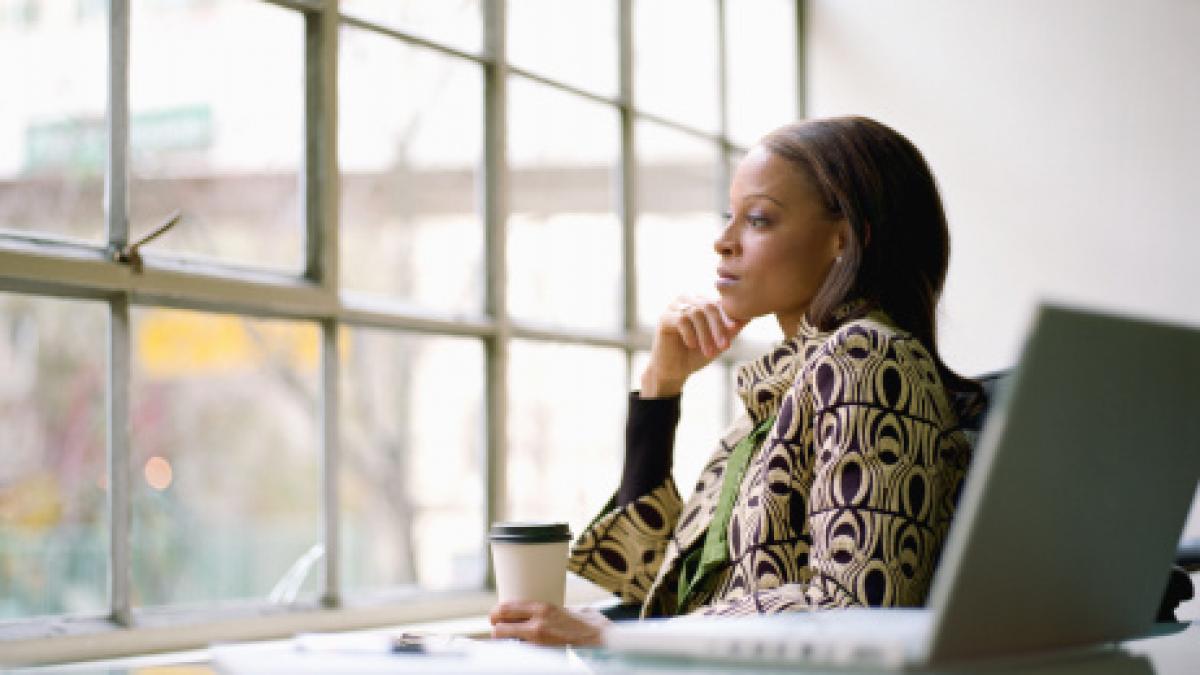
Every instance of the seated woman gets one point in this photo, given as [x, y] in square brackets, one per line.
[836, 486]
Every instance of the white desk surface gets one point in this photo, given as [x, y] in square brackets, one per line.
[1175, 651]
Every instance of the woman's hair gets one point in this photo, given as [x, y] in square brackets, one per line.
[899, 246]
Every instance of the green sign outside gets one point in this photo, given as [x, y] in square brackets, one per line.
[80, 144]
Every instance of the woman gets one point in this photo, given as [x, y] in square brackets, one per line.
[836, 486]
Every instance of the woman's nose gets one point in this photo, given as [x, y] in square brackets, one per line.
[725, 244]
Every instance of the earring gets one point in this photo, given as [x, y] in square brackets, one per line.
[838, 259]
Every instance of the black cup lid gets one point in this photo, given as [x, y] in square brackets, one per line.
[530, 532]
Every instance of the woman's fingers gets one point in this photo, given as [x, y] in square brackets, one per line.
[704, 326]
[690, 333]
[516, 611]
[545, 624]
[687, 332]
[716, 324]
[528, 631]
[529, 621]
[704, 336]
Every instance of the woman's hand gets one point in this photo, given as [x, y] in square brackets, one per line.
[690, 334]
[544, 624]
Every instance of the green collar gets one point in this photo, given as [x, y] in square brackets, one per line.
[697, 571]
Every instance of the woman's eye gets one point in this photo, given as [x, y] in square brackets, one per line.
[756, 221]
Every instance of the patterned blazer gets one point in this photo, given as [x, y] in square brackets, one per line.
[846, 503]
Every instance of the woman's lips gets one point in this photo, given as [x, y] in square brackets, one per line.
[725, 280]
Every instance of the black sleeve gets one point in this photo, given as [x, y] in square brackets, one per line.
[649, 445]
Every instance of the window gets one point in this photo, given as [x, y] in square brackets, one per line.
[359, 342]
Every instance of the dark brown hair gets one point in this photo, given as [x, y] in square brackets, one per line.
[899, 247]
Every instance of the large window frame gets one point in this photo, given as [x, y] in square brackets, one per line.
[45, 266]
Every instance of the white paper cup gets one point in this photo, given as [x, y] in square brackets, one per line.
[530, 560]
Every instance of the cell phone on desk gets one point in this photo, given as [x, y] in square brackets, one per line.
[421, 643]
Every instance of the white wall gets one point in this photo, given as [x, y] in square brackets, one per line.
[1065, 136]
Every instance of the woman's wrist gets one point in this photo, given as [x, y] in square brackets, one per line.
[656, 386]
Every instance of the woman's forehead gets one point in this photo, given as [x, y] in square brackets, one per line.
[762, 172]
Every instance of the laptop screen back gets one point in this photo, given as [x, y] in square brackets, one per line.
[1077, 493]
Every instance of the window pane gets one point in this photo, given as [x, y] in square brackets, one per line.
[457, 23]
[761, 58]
[680, 202]
[675, 60]
[574, 42]
[53, 477]
[410, 222]
[566, 430]
[226, 495]
[412, 473]
[216, 128]
[564, 239]
[703, 418]
[52, 120]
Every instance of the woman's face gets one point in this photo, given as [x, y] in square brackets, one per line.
[778, 244]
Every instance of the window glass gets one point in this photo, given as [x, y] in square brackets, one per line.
[702, 419]
[217, 129]
[761, 63]
[565, 430]
[410, 223]
[564, 239]
[679, 206]
[675, 60]
[53, 476]
[412, 489]
[226, 491]
[457, 23]
[225, 409]
[53, 133]
[574, 42]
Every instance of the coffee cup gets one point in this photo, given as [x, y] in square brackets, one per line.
[530, 560]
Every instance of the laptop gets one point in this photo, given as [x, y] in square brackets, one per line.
[1067, 526]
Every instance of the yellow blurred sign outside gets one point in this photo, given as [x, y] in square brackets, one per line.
[176, 343]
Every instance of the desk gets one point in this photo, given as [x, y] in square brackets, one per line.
[1175, 650]
[1171, 653]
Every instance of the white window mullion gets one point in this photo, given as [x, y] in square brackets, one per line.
[116, 203]
[321, 215]
[801, 60]
[120, 469]
[722, 75]
[116, 174]
[330, 452]
[627, 180]
[495, 214]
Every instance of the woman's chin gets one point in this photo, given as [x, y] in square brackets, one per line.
[735, 310]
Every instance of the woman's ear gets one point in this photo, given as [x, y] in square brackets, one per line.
[841, 238]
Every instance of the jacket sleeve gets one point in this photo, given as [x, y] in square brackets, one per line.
[883, 477]
[623, 547]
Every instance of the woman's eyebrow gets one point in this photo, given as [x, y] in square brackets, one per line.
[764, 196]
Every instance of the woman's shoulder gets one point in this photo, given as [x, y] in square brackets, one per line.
[873, 333]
